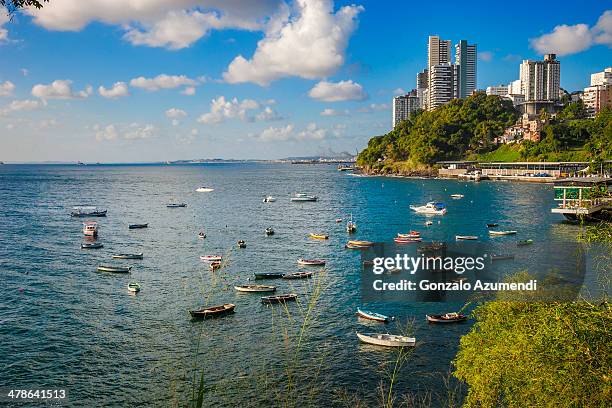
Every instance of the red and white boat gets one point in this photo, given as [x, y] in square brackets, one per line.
[311, 262]
[411, 234]
[90, 229]
[211, 258]
[399, 240]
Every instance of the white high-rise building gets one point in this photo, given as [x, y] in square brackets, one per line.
[438, 53]
[602, 78]
[500, 90]
[465, 60]
[404, 106]
[422, 81]
[514, 87]
[541, 80]
[442, 87]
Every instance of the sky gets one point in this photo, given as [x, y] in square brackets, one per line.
[142, 81]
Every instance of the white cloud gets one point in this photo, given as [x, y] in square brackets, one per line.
[485, 56]
[190, 91]
[59, 89]
[172, 24]
[373, 107]
[338, 91]
[195, 132]
[312, 132]
[571, 39]
[7, 88]
[334, 112]
[276, 134]
[175, 113]
[107, 133]
[22, 105]
[310, 44]
[130, 132]
[222, 109]
[399, 91]
[48, 124]
[163, 81]
[118, 90]
[268, 114]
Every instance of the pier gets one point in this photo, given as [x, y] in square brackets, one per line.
[587, 198]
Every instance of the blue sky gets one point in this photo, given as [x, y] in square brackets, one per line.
[252, 79]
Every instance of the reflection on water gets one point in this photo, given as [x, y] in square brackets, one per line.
[64, 324]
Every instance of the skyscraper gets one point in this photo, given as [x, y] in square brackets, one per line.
[404, 105]
[442, 87]
[438, 54]
[465, 59]
[422, 82]
[541, 80]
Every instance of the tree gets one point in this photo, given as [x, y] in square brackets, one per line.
[14, 5]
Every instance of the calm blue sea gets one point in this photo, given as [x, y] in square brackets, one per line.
[63, 325]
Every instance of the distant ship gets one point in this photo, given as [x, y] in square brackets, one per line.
[80, 164]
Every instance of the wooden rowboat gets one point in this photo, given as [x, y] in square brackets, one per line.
[128, 256]
[372, 316]
[176, 205]
[279, 298]
[297, 275]
[446, 318]
[319, 236]
[386, 340]
[115, 269]
[138, 226]
[214, 311]
[492, 225]
[399, 240]
[502, 232]
[211, 258]
[93, 245]
[255, 288]
[360, 243]
[411, 234]
[311, 262]
[466, 237]
[351, 246]
[268, 275]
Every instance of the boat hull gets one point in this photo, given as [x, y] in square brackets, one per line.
[215, 311]
[298, 275]
[114, 269]
[305, 262]
[270, 275]
[279, 298]
[372, 316]
[441, 319]
[386, 340]
[128, 256]
[255, 288]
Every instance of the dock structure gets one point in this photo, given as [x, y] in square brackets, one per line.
[584, 198]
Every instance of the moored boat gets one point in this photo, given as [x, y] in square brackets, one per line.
[129, 256]
[255, 288]
[204, 189]
[133, 287]
[492, 225]
[87, 211]
[241, 244]
[411, 234]
[90, 229]
[138, 226]
[268, 275]
[318, 236]
[428, 223]
[360, 243]
[373, 316]
[211, 258]
[301, 197]
[525, 242]
[269, 231]
[399, 240]
[386, 340]
[201, 235]
[115, 269]
[351, 227]
[176, 205]
[352, 246]
[269, 199]
[466, 237]
[91, 245]
[214, 265]
[311, 262]
[446, 318]
[214, 311]
[457, 196]
[279, 298]
[297, 275]
[509, 232]
[431, 208]
[338, 220]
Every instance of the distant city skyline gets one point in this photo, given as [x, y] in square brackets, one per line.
[258, 80]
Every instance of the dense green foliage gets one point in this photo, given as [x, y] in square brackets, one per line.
[466, 129]
[537, 355]
[460, 127]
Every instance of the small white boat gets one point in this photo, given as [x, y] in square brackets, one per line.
[90, 229]
[411, 234]
[201, 235]
[373, 316]
[128, 256]
[133, 287]
[269, 199]
[211, 258]
[115, 269]
[386, 340]
[466, 237]
[351, 227]
[457, 196]
[428, 223]
[311, 262]
[502, 232]
[301, 197]
[431, 208]
[255, 288]
[205, 189]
